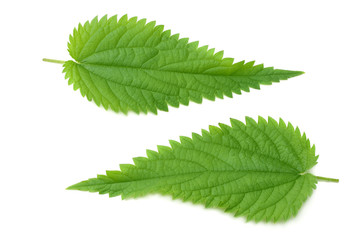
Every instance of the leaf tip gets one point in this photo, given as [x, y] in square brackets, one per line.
[298, 73]
[73, 187]
[291, 74]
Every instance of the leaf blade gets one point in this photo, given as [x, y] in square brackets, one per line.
[145, 69]
[237, 168]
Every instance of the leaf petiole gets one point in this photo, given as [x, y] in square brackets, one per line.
[53, 61]
[325, 179]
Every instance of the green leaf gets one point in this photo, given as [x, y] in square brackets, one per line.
[131, 65]
[258, 170]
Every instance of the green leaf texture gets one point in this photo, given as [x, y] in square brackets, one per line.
[131, 65]
[258, 170]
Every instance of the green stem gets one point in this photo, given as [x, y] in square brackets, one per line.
[53, 61]
[325, 179]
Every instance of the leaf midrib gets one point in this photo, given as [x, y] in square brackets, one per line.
[198, 172]
[179, 72]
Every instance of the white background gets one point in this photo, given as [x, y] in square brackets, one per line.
[51, 137]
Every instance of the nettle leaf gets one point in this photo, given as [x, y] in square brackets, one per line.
[132, 65]
[258, 170]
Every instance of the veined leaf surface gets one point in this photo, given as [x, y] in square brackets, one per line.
[258, 170]
[131, 65]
